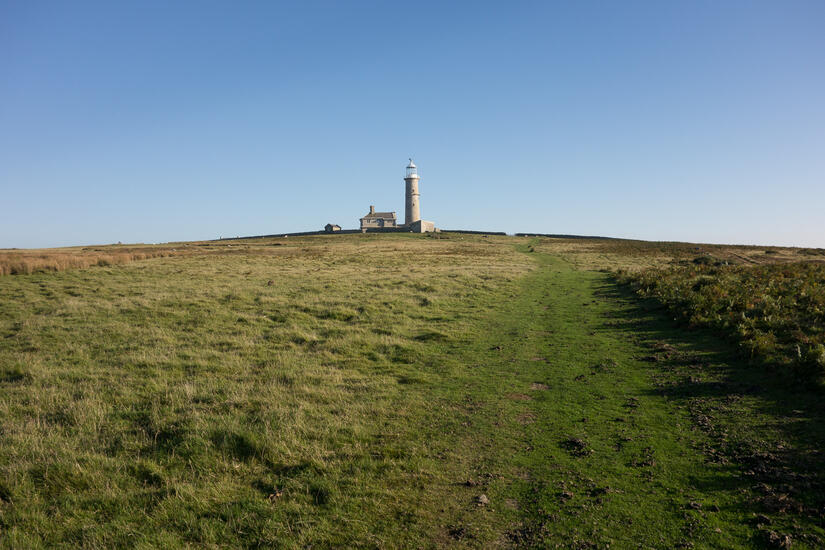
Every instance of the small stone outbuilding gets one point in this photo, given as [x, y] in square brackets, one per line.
[331, 228]
[422, 226]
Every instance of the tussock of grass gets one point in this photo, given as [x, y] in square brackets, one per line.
[431, 335]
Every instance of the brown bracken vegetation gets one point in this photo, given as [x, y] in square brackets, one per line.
[25, 262]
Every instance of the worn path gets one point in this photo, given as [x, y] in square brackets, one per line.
[577, 444]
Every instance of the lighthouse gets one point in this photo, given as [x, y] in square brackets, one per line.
[386, 221]
[413, 210]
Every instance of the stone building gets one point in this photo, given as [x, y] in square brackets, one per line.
[331, 227]
[378, 219]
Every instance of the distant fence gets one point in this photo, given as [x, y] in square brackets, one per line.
[471, 232]
[556, 236]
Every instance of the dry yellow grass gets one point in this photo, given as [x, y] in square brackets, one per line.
[25, 262]
[28, 261]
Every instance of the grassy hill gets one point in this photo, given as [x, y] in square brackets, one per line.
[394, 391]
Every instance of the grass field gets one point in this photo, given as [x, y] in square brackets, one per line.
[392, 391]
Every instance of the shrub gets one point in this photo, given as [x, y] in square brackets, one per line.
[775, 312]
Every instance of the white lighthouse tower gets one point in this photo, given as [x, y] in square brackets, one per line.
[413, 210]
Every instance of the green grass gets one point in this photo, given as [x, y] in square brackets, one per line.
[368, 390]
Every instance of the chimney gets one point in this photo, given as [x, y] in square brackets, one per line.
[372, 209]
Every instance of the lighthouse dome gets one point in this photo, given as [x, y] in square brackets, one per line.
[412, 170]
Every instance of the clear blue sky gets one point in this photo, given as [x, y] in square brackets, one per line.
[158, 121]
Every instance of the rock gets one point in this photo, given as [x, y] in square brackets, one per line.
[482, 500]
[577, 447]
[781, 503]
[778, 540]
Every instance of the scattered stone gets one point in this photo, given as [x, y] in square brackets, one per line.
[632, 403]
[646, 460]
[605, 366]
[599, 491]
[566, 495]
[457, 532]
[777, 540]
[763, 488]
[781, 503]
[482, 500]
[577, 447]
[762, 519]
[270, 282]
[538, 386]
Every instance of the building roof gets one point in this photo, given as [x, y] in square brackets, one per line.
[379, 215]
